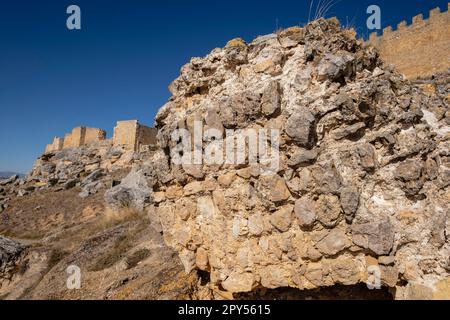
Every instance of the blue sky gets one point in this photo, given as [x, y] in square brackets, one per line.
[119, 65]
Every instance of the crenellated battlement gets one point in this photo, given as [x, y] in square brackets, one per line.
[435, 17]
[417, 49]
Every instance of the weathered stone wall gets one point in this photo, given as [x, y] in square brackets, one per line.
[73, 139]
[93, 135]
[420, 49]
[79, 136]
[55, 146]
[125, 134]
[68, 141]
[133, 135]
[129, 134]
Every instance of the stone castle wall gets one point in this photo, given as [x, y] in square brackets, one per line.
[57, 144]
[73, 139]
[419, 49]
[93, 135]
[133, 135]
[79, 136]
[130, 134]
[125, 133]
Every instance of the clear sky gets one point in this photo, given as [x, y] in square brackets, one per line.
[119, 65]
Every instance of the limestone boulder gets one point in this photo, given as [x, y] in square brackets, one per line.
[133, 191]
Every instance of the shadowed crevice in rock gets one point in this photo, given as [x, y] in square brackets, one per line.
[338, 292]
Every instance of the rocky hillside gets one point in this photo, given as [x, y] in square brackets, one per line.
[348, 186]
[56, 218]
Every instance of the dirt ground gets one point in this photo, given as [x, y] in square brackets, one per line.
[120, 255]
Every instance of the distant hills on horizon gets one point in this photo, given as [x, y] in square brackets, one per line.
[7, 174]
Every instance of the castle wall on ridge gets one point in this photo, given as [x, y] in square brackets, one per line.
[419, 49]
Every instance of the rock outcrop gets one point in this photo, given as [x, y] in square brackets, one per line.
[89, 167]
[10, 253]
[360, 187]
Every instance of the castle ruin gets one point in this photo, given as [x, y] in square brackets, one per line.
[133, 135]
[420, 49]
[130, 134]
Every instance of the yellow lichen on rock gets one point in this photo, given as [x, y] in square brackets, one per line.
[237, 42]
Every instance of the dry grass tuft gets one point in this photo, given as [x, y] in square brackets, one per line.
[323, 8]
[111, 218]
